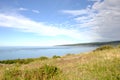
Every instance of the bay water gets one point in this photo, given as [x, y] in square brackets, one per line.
[35, 52]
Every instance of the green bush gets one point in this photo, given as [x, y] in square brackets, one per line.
[46, 72]
[56, 56]
[43, 58]
[105, 47]
[49, 71]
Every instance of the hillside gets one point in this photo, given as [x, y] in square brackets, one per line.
[100, 64]
[94, 43]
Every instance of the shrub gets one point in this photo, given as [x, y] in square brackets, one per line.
[43, 58]
[46, 72]
[105, 47]
[56, 56]
[49, 71]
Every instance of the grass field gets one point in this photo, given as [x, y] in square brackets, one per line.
[100, 64]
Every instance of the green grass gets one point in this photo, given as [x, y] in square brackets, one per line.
[100, 64]
[45, 72]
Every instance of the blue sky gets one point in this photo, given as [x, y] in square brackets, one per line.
[56, 22]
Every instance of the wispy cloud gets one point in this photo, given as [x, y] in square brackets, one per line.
[36, 11]
[75, 12]
[103, 17]
[25, 9]
[27, 25]
[22, 9]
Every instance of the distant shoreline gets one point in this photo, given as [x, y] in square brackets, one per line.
[93, 43]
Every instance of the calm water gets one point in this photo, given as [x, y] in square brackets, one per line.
[33, 52]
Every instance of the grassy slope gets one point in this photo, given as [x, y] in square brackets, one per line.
[97, 65]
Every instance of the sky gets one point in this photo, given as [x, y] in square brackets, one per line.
[56, 22]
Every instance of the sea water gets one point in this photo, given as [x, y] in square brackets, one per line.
[34, 52]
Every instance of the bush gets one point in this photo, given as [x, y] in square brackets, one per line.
[56, 56]
[43, 58]
[46, 72]
[49, 71]
[105, 47]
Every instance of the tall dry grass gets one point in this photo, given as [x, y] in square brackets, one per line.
[96, 65]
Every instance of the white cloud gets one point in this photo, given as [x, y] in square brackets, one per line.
[75, 12]
[103, 17]
[36, 11]
[27, 25]
[22, 9]
[25, 9]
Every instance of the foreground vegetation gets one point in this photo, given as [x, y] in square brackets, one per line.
[100, 64]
